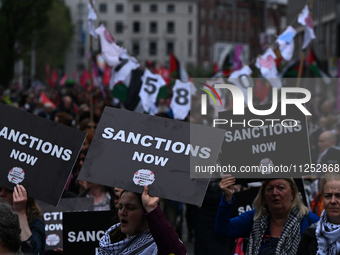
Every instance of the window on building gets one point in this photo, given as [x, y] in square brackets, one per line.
[202, 12]
[170, 27]
[103, 8]
[202, 52]
[211, 14]
[135, 48]
[190, 9]
[119, 27]
[136, 8]
[81, 50]
[170, 47]
[153, 27]
[81, 8]
[153, 8]
[202, 30]
[119, 8]
[171, 8]
[189, 48]
[189, 27]
[153, 49]
[136, 27]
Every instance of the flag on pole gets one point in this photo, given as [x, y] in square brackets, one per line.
[53, 79]
[91, 17]
[305, 19]
[63, 80]
[45, 99]
[177, 70]
[266, 64]
[111, 51]
[237, 57]
[286, 43]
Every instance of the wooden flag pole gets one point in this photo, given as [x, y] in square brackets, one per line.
[300, 69]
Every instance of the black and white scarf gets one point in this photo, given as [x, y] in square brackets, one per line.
[142, 243]
[288, 241]
[327, 236]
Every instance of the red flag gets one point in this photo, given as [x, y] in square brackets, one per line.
[45, 99]
[107, 75]
[216, 68]
[63, 80]
[84, 78]
[54, 78]
[47, 69]
[164, 73]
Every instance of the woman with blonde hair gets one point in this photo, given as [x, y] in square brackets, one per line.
[30, 219]
[323, 237]
[275, 224]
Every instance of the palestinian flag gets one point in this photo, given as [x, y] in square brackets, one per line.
[174, 67]
[315, 67]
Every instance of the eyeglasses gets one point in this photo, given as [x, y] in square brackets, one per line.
[89, 126]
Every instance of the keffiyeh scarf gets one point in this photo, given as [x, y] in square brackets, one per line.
[142, 243]
[327, 236]
[289, 239]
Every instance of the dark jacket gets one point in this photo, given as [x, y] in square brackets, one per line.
[36, 243]
[308, 244]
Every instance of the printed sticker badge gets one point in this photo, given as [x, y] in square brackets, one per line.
[52, 239]
[16, 175]
[143, 177]
[266, 166]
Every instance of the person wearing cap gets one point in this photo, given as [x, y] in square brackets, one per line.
[276, 223]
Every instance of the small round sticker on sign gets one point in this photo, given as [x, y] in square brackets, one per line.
[52, 239]
[266, 166]
[143, 177]
[16, 175]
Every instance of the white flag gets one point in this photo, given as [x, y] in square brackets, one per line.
[91, 17]
[150, 88]
[286, 43]
[267, 66]
[305, 18]
[241, 78]
[110, 49]
[180, 102]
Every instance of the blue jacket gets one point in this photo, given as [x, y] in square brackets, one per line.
[242, 225]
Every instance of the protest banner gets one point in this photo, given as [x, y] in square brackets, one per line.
[53, 217]
[83, 230]
[130, 150]
[270, 146]
[36, 153]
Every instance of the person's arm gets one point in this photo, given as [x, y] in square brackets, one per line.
[36, 242]
[236, 227]
[162, 231]
[239, 226]
[19, 206]
[32, 235]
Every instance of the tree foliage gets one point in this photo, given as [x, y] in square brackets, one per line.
[46, 23]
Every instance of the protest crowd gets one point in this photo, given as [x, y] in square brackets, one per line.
[228, 215]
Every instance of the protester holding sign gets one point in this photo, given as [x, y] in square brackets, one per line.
[323, 236]
[274, 226]
[30, 218]
[146, 234]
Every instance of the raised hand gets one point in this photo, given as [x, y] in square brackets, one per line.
[149, 202]
[226, 185]
[19, 199]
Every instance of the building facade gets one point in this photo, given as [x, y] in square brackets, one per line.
[148, 29]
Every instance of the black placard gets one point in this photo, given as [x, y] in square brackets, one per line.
[284, 149]
[131, 149]
[37, 153]
[53, 217]
[83, 230]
